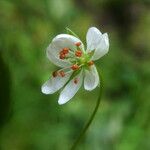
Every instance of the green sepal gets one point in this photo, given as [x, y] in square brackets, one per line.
[69, 31]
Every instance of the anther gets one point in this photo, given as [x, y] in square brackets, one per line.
[78, 53]
[90, 63]
[75, 67]
[62, 56]
[54, 74]
[61, 52]
[65, 50]
[62, 73]
[78, 44]
[76, 80]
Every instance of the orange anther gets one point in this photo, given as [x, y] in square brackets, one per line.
[78, 44]
[62, 56]
[62, 73]
[54, 74]
[90, 63]
[76, 80]
[65, 50]
[61, 52]
[78, 53]
[75, 67]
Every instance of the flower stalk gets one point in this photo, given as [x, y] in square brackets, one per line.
[77, 67]
[82, 133]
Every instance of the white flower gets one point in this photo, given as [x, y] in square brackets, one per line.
[67, 52]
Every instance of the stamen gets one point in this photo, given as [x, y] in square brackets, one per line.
[54, 74]
[62, 73]
[76, 80]
[90, 63]
[62, 56]
[78, 44]
[78, 53]
[75, 67]
[65, 50]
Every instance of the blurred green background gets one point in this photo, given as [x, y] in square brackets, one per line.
[30, 120]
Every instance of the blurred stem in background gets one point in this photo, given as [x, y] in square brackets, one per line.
[92, 116]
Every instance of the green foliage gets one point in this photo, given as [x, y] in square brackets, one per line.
[33, 121]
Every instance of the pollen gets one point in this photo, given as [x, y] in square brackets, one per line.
[90, 63]
[62, 73]
[78, 44]
[54, 74]
[75, 67]
[78, 53]
[76, 80]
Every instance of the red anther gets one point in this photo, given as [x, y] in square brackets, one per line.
[76, 80]
[62, 73]
[78, 53]
[65, 50]
[75, 67]
[54, 74]
[62, 56]
[90, 63]
[78, 44]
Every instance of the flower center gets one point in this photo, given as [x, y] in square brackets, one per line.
[78, 58]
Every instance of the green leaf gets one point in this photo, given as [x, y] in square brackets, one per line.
[69, 31]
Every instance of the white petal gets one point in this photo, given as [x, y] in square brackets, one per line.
[58, 43]
[54, 84]
[53, 56]
[102, 48]
[91, 79]
[70, 89]
[67, 41]
[93, 38]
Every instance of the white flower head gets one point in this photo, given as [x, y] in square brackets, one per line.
[77, 64]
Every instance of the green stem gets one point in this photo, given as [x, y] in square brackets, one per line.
[91, 118]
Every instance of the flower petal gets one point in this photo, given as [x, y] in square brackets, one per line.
[53, 56]
[93, 38]
[54, 84]
[102, 48]
[91, 79]
[68, 41]
[58, 43]
[70, 89]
